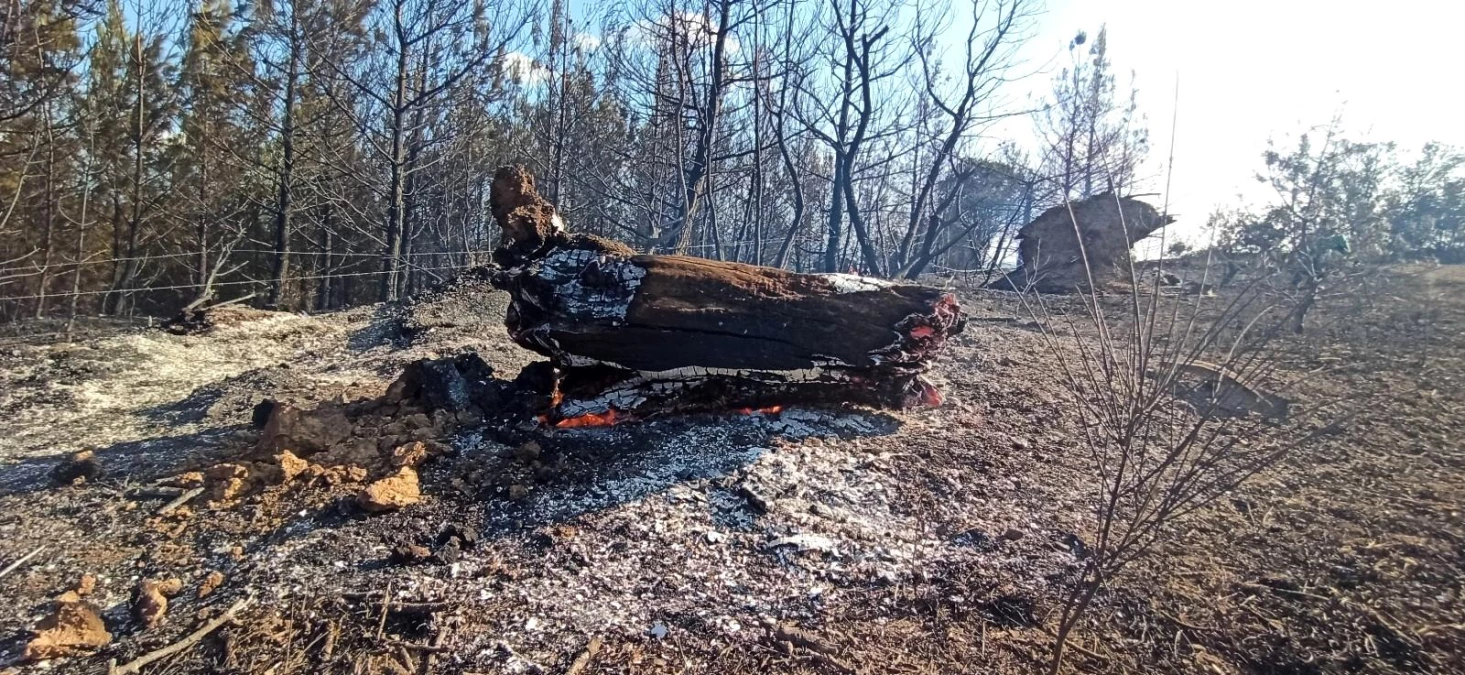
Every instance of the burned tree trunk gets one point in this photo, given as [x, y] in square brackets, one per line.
[633, 335]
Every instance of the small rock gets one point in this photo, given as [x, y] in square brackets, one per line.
[78, 468]
[518, 491]
[755, 498]
[391, 493]
[466, 536]
[409, 554]
[73, 628]
[410, 455]
[974, 538]
[290, 465]
[211, 583]
[1013, 534]
[1021, 444]
[470, 417]
[448, 553]
[86, 585]
[150, 600]
[528, 452]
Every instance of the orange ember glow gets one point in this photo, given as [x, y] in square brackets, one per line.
[770, 410]
[922, 331]
[604, 419]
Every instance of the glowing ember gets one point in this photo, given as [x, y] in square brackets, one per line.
[769, 410]
[922, 331]
[930, 396]
[604, 419]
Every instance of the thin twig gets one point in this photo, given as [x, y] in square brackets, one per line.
[381, 624]
[180, 500]
[16, 565]
[137, 664]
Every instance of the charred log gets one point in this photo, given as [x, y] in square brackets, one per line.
[640, 334]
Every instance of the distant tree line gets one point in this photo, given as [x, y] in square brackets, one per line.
[1362, 197]
[313, 154]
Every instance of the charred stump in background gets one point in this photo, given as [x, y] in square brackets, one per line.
[633, 335]
[1052, 255]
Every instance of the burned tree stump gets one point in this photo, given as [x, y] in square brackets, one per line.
[1081, 246]
[634, 335]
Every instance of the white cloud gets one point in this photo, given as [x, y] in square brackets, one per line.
[523, 69]
[586, 43]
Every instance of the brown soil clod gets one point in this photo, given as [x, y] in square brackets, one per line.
[211, 582]
[71, 629]
[391, 493]
[150, 600]
[85, 586]
[409, 554]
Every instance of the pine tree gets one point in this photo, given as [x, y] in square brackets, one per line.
[211, 186]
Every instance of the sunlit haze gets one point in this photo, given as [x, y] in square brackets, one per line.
[1250, 70]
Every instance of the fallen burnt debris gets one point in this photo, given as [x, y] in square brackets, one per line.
[637, 335]
[1053, 255]
[375, 443]
[199, 320]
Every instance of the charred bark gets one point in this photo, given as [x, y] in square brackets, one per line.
[634, 335]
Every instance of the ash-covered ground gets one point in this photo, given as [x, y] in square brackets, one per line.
[834, 540]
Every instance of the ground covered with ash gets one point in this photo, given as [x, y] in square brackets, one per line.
[266, 463]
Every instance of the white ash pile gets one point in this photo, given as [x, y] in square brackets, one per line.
[375, 447]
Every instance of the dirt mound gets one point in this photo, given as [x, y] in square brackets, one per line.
[72, 628]
[1100, 230]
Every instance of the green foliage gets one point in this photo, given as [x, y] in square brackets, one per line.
[1338, 190]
